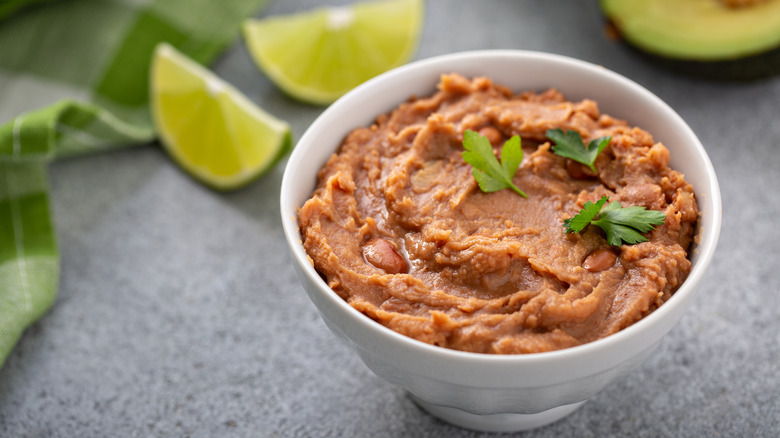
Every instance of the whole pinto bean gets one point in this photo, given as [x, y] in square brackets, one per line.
[491, 133]
[381, 253]
[599, 260]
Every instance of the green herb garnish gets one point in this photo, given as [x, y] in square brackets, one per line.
[489, 173]
[570, 145]
[621, 224]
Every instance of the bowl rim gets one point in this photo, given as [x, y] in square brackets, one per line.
[704, 249]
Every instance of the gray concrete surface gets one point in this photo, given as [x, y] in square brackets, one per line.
[179, 313]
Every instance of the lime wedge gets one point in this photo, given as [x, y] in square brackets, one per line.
[212, 130]
[318, 55]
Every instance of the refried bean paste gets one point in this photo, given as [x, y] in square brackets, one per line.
[399, 228]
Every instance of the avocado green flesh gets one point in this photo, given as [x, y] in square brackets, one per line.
[696, 30]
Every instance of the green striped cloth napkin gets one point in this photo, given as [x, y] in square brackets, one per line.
[74, 79]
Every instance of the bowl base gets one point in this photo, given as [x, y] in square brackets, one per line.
[496, 422]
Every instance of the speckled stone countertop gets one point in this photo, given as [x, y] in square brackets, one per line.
[179, 313]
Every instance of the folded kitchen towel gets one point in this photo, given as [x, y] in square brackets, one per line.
[74, 79]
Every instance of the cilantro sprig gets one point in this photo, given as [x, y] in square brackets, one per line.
[489, 173]
[569, 144]
[621, 224]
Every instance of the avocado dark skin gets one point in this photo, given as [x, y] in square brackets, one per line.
[750, 68]
[729, 40]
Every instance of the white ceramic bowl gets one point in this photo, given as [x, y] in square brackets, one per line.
[500, 392]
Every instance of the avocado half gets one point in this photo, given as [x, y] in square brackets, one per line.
[715, 39]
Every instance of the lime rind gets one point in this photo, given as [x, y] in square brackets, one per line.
[319, 55]
[210, 128]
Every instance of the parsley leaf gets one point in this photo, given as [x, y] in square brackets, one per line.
[489, 173]
[570, 145]
[621, 224]
[589, 212]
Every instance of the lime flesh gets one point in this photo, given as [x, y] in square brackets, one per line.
[212, 130]
[317, 56]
